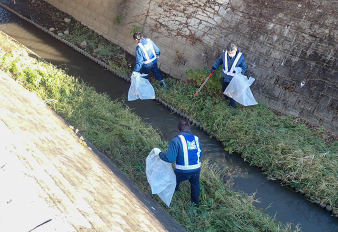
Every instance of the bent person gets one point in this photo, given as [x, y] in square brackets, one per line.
[185, 149]
[146, 57]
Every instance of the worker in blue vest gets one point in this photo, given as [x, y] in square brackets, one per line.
[185, 149]
[230, 59]
[146, 57]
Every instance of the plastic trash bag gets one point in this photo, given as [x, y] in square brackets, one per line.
[239, 89]
[140, 88]
[160, 176]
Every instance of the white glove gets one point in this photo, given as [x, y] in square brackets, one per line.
[157, 151]
[135, 73]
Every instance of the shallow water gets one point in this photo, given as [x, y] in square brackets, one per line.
[275, 200]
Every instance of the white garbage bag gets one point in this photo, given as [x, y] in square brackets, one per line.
[140, 88]
[239, 89]
[160, 176]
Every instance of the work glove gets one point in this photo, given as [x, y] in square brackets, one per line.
[212, 69]
[157, 151]
[135, 73]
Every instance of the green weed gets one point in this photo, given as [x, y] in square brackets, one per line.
[117, 19]
[107, 52]
[135, 28]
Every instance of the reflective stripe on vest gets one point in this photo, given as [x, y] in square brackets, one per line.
[225, 66]
[186, 165]
[145, 48]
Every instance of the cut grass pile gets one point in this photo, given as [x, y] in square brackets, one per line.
[126, 140]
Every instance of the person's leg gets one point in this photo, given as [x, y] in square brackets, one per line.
[195, 186]
[157, 74]
[232, 101]
[154, 69]
[224, 86]
[179, 178]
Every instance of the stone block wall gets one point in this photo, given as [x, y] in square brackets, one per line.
[290, 45]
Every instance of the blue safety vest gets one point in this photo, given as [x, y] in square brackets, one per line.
[191, 153]
[148, 50]
[226, 70]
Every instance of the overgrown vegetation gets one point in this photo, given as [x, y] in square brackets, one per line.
[123, 137]
[283, 146]
[100, 48]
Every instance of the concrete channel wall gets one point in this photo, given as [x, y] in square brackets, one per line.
[290, 46]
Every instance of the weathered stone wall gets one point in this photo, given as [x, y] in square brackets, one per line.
[290, 45]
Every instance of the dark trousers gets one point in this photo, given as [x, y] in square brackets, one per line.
[232, 101]
[151, 67]
[194, 179]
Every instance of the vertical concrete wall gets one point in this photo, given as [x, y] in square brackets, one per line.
[290, 46]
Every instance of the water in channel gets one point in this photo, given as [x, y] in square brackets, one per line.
[275, 200]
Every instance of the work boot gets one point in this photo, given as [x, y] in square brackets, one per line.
[195, 204]
[162, 84]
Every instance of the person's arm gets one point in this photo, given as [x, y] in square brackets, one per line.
[217, 63]
[139, 59]
[172, 152]
[157, 50]
[242, 64]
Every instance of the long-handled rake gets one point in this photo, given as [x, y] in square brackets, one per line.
[204, 83]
